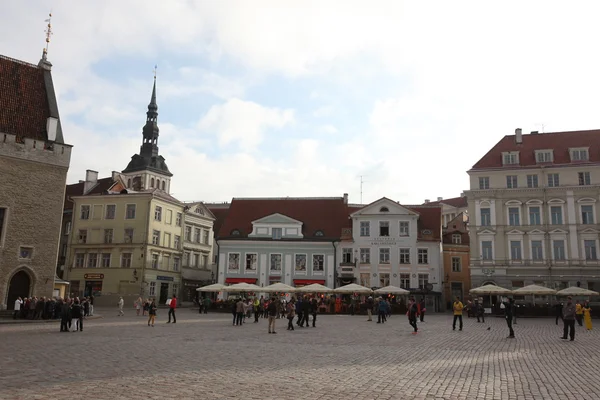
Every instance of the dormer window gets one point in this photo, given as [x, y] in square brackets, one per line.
[235, 232]
[199, 210]
[384, 209]
[276, 233]
[543, 156]
[510, 158]
[580, 154]
[319, 233]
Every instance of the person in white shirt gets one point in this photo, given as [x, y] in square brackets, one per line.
[18, 303]
[121, 304]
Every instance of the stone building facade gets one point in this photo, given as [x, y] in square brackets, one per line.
[34, 161]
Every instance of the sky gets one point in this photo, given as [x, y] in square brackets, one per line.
[301, 99]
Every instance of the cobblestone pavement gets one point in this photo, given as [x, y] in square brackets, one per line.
[203, 356]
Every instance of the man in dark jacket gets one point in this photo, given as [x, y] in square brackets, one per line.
[299, 310]
[509, 309]
[305, 312]
[558, 309]
[314, 306]
[568, 314]
[413, 310]
[65, 312]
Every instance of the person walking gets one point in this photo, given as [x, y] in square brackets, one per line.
[256, 306]
[369, 305]
[77, 312]
[458, 311]
[422, 309]
[558, 307]
[206, 304]
[479, 311]
[381, 310]
[272, 310]
[17, 310]
[91, 305]
[587, 316]
[509, 309]
[413, 311]
[239, 311]
[579, 313]
[65, 310]
[121, 303]
[569, 320]
[172, 307]
[151, 313]
[139, 304]
[291, 313]
[314, 306]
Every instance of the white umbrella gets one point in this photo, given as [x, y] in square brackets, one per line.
[353, 288]
[216, 287]
[392, 290]
[534, 290]
[491, 290]
[314, 288]
[278, 288]
[576, 291]
[242, 287]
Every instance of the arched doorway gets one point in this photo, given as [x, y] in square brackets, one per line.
[19, 286]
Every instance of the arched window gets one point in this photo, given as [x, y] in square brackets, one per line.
[163, 185]
[152, 182]
[158, 183]
[319, 233]
[384, 209]
[235, 232]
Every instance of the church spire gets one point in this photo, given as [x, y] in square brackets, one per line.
[150, 131]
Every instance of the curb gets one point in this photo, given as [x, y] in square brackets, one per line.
[7, 321]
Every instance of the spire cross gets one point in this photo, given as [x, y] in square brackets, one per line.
[48, 32]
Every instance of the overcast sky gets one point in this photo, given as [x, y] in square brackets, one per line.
[261, 99]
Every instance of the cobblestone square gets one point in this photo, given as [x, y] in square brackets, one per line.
[204, 356]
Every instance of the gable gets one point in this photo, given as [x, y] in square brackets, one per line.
[378, 207]
[277, 218]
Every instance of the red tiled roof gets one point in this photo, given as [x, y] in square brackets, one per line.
[329, 215]
[220, 212]
[458, 202]
[559, 142]
[430, 218]
[76, 189]
[24, 107]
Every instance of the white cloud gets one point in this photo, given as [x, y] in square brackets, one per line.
[324, 111]
[243, 123]
[328, 129]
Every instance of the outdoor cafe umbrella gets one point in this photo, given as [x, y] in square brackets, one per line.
[491, 290]
[352, 288]
[314, 288]
[216, 287]
[242, 287]
[576, 291]
[278, 288]
[392, 290]
[534, 290]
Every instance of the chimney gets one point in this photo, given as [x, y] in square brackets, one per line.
[426, 201]
[51, 127]
[518, 136]
[91, 178]
[345, 198]
[440, 199]
[115, 175]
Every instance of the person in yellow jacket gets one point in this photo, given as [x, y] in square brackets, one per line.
[587, 316]
[579, 313]
[458, 310]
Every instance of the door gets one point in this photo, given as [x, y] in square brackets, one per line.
[164, 293]
[19, 286]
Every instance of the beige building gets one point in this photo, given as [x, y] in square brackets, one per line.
[126, 244]
[533, 211]
[34, 160]
[198, 239]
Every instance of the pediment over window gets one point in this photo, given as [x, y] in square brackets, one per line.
[561, 231]
[277, 219]
[590, 230]
[586, 200]
[515, 232]
[277, 226]
[513, 203]
[486, 232]
[556, 201]
[534, 201]
[536, 232]
[384, 206]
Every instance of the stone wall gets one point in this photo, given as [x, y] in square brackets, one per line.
[32, 177]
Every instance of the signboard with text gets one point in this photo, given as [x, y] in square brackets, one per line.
[93, 276]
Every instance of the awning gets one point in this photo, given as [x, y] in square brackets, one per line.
[240, 280]
[304, 282]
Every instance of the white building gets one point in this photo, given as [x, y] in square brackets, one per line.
[533, 211]
[392, 244]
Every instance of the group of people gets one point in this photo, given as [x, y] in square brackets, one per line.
[150, 308]
[49, 308]
[302, 307]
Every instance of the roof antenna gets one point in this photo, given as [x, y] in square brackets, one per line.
[361, 187]
[49, 33]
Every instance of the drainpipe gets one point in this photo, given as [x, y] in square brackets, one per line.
[335, 273]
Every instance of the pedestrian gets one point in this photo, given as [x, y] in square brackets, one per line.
[381, 310]
[206, 304]
[17, 310]
[151, 313]
[256, 306]
[369, 305]
[422, 309]
[234, 311]
[299, 310]
[458, 310]
[91, 305]
[579, 313]
[291, 313]
[305, 311]
[239, 311]
[65, 310]
[587, 316]
[479, 311]
[86, 307]
[172, 307]
[558, 307]
[314, 306]
[509, 309]
[138, 305]
[77, 313]
[272, 309]
[413, 311]
[569, 319]
[146, 308]
[200, 305]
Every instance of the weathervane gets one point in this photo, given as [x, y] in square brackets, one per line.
[48, 32]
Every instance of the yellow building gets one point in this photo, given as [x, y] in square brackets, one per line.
[126, 244]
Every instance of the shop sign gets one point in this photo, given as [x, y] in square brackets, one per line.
[93, 276]
[165, 278]
[385, 240]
